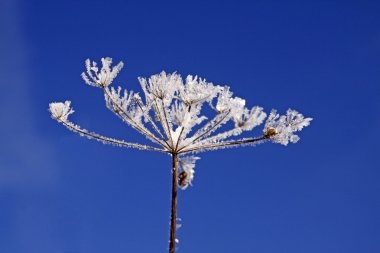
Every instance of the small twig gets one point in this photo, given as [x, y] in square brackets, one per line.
[158, 112]
[207, 131]
[167, 122]
[224, 144]
[180, 134]
[145, 132]
[108, 140]
[152, 123]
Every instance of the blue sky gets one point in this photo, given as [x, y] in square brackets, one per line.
[60, 193]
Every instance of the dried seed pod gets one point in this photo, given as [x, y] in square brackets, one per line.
[270, 132]
[182, 179]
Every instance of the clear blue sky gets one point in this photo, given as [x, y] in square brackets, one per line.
[60, 193]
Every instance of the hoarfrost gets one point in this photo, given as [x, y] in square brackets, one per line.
[172, 108]
[170, 115]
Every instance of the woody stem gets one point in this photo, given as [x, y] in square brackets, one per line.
[173, 213]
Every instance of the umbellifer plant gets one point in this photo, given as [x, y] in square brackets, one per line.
[171, 117]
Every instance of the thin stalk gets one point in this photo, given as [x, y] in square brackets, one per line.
[224, 144]
[107, 140]
[165, 127]
[206, 133]
[167, 122]
[152, 122]
[211, 128]
[221, 136]
[126, 118]
[183, 128]
[173, 212]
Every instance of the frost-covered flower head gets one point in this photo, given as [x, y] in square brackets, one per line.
[249, 119]
[162, 86]
[172, 117]
[105, 76]
[197, 90]
[281, 129]
[225, 100]
[60, 111]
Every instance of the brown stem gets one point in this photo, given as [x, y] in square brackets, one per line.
[173, 213]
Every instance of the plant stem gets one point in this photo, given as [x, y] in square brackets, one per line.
[173, 214]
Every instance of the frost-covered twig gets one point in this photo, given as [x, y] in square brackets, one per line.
[225, 144]
[211, 126]
[61, 111]
[149, 119]
[128, 119]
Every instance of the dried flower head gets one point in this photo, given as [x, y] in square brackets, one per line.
[172, 117]
[60, 111]
[173, 108]
[281, 129]
[105, 76]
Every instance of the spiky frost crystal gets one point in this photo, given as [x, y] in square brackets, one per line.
[171, 117]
